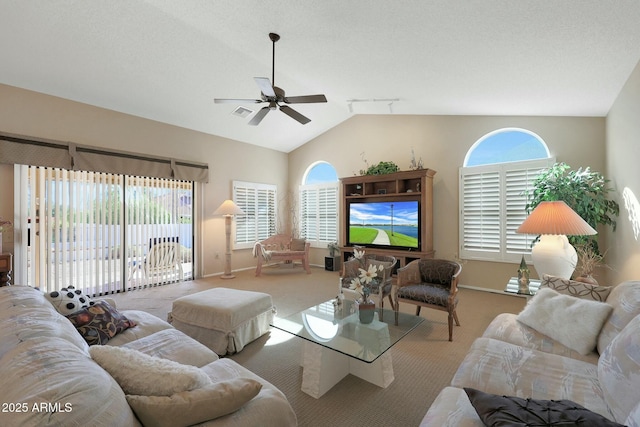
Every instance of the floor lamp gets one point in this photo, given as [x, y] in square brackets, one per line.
[553, 221]
[228, 209]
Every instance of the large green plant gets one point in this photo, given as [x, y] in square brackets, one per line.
[585, 191]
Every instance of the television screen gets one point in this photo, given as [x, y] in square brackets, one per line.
[387, 224]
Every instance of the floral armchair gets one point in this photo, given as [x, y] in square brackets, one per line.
[379, 289]
[431, 283]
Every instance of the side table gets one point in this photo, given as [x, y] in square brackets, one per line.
[512, 287]
[6, 265]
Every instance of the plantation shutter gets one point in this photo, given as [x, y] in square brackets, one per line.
[319, 213]
[492, 203]
[258, 201]
[480, 211]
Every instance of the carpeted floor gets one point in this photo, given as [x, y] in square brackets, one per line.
[424, 361]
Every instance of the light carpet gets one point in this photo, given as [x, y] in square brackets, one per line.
[424, 361]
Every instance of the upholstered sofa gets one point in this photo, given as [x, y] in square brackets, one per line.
[48, 375]
[513, 362]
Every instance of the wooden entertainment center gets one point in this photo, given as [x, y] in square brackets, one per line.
[401, 186]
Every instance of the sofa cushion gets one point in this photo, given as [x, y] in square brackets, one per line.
[619, 371]
[503, 368]
[505, 327]
[72, 389]
[451, 408]
[196, 406]
[141, 374]
[572, 321]
[68, 300]
[507, 411]
[172, 344]
[99, 323]
[146, 324]
[298, 244]
[625, 300]
[576, 289]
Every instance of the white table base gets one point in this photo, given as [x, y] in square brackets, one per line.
[323, 368]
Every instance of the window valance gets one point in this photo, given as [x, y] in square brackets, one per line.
[16, 149]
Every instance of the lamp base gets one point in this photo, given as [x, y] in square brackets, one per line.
[228, 276]
[554, 255]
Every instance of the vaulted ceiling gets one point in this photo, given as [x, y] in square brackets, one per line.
[167, 60]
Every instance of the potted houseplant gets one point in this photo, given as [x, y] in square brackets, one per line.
[583, 190]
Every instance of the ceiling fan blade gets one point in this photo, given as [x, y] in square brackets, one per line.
[307, 99]
[236, 101]
[294, 114]
[255, 121]
[265, 86]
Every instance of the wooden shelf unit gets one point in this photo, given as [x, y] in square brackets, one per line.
[407, 185]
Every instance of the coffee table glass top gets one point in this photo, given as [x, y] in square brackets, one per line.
[339, 328]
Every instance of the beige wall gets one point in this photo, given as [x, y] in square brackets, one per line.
[442, 142]
[32, 114]
[623, 157]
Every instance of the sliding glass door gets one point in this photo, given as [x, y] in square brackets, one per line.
[96, 231]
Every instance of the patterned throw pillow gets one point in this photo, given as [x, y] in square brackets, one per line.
[498, 411]
[576, 289]
[99, 323]
[68, 300]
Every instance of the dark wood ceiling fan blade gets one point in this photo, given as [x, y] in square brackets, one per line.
[265, 86]
[294, 114]
[236, 101]
[255, 121]
[306, 99]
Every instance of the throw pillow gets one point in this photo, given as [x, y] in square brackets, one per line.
[99, 323]
[571, 321]
[196, 406]
[298, 244]
[68, 300]
[576, 289]
[141, 374]
[499, 411]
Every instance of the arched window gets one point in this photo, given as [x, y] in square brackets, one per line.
[319, 204]
[498, 169]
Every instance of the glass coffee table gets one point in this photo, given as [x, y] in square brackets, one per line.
[337, 344]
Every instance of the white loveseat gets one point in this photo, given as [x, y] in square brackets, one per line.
[513, 359]
[47, 376]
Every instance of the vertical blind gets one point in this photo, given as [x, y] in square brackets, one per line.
[92, 230]
[492, 203]
[258, 201]
[319, 213]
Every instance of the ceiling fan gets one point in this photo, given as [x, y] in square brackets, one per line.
[275, 96]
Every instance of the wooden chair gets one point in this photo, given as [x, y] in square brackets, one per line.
[350, 270]
[431, 283]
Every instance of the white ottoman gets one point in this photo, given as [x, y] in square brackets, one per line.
[225, 320]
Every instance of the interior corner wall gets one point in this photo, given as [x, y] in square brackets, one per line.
[37, 115]
[442, 143]
[623, 168]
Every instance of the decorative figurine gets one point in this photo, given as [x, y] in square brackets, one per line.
[523, 278]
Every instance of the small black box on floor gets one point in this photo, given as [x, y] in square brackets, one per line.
[332, 263]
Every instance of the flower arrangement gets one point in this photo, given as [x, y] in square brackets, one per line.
[5, 225]
[333, 249]
[362, 283]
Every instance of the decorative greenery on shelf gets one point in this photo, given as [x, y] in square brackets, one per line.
[381, 168]
[583, 190]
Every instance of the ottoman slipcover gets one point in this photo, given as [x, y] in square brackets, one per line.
[225, 320]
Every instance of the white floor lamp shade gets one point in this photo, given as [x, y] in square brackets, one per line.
[553, 221]
[228, 209]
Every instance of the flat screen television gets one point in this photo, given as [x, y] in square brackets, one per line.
[384, 224]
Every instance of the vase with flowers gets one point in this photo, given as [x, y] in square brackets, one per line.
[362, 285]
[5, 225]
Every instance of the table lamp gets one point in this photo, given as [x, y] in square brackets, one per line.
[228, 209]
[553, 221]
